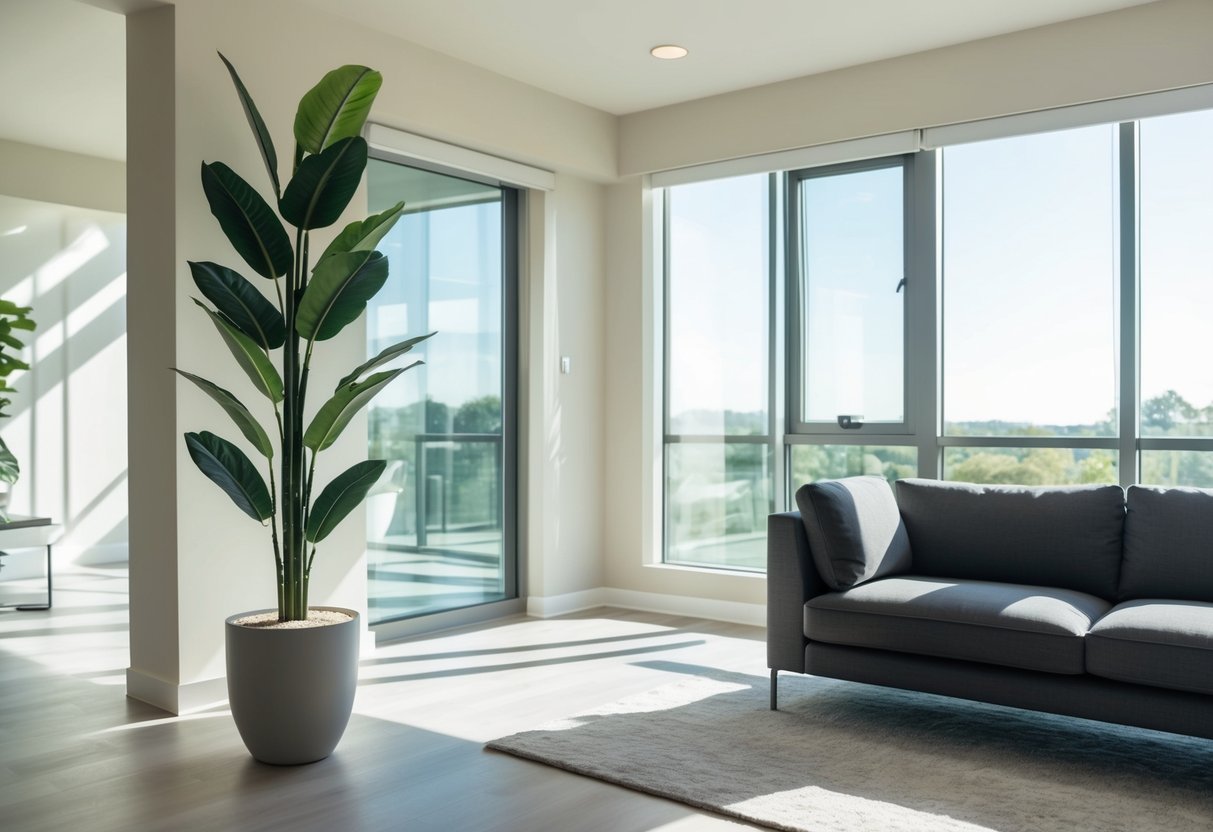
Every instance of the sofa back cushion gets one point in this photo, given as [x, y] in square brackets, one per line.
[1068, 537]
[1168, 544]
[854, 529]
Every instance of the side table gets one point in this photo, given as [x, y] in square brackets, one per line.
[29, 533]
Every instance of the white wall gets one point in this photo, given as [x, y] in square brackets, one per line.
[68, 425]
[195, 558]
[1147, 48]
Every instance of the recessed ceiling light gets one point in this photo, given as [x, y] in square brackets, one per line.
[668, 52]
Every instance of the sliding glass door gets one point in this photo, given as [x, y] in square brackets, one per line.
[441, 521]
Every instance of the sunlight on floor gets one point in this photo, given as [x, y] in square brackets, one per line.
[90, 606]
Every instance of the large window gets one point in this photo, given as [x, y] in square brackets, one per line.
[440, 521]
[1029, 285]
[1024, 310]
[718, 474]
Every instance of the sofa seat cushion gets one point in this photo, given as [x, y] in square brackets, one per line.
[1162, 643]
[1031, 627]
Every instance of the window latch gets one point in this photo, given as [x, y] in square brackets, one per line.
[850, 422]
[900, 284]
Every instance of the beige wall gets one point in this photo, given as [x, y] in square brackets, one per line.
[47, 175]
[1146, 48]
[1143, 49]
[203, 559]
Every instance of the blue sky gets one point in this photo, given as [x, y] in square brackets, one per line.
[1030, 275]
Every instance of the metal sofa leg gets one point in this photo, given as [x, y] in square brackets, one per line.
[774, 689]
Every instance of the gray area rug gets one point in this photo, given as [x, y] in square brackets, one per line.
[849, 757]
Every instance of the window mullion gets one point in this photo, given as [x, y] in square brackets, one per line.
[1130, 305]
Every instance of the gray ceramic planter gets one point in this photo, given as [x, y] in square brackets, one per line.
[291, 691]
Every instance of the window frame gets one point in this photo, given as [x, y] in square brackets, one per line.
[797, 329]
[923, 332]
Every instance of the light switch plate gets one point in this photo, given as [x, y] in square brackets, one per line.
[566, 364]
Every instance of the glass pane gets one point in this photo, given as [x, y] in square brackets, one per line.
[717, 500]
[718, 306]
[1193, 468]
[831, 462]
[1029, 282]
[435, 519]
[1176, 275]
[853, 260]
[1030, 466]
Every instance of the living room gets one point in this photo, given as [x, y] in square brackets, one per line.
[627, 376]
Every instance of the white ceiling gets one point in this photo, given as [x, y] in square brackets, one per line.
[63, 62]
[597, 51]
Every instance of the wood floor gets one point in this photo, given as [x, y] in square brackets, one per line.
[76, 754]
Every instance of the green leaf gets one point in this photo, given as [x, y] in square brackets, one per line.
[336, 108]
[340, 288]
[227, 466]
[337, 411]
[235, 408]
[9, 469]
[250, 224]
[233, 295]
[264, 143]
[364, 235]
[394, 351]
[324, 184]
[251, 358]
[340, 497]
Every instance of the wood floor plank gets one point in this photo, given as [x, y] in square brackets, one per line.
[76, 754]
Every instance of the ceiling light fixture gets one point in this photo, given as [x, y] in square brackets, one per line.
[668, 52]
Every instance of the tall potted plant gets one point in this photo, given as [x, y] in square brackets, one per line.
[292, 671]
[13, 319]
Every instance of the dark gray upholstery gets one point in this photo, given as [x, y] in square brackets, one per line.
[1067, 537]
[791, 578]
[1147, 662]
[1032, 627]
[1168, 549]
[1085, 696]
[1153, 642]
[855, 531]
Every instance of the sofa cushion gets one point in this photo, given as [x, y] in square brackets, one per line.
[1030, 627]
[1168, 544]
[1068, 537]
[854, 529]
[1162, 643]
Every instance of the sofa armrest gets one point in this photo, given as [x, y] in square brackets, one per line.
[792, 580]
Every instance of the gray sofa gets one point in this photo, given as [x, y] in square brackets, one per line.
[1084, 601]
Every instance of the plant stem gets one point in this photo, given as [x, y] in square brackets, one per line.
[291, 405]
[274, 537]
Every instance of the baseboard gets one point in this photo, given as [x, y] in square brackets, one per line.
[736, 612]
[172, 697]
[546, 606]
